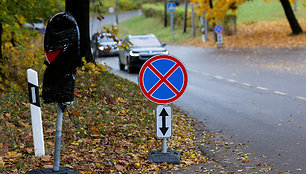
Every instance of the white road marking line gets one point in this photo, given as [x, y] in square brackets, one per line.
[193, 71]
[261, 88]
[231, 80]
[219, 77]
[246, 84]
[280, 93]
[300, 98]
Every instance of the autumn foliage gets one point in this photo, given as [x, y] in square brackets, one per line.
[110, 128]
[219, 9]
[18, 57]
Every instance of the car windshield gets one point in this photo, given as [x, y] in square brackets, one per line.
[145, 42]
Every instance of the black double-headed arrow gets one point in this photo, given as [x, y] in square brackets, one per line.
[163, 114]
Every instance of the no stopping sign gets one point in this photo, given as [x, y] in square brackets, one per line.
[163, 79]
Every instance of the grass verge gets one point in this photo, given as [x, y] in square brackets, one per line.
[110, 129]
[249, 35]
[142, 25]
[267, 11]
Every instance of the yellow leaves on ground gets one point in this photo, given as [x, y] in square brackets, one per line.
[265, 35]
[137, 165]
[258, 35]
[46, 158]
[94, 129]
[2, 163]
[10, 125]
[13, 154]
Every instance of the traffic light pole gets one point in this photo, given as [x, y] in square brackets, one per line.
[58, 136]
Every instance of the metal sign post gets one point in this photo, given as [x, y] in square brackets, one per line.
[59, 122]
[218, 30]
[163, 79]
[172, 26]
[171, 9]
[112, 10]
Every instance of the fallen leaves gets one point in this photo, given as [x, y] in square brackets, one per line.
[137, 165]
[265, 35]
[257, 35]
[110, 130]
[46, 158]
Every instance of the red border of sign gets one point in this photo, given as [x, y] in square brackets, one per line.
[216, 29]
[147, 64]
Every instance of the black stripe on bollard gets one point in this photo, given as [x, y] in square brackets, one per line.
[33, 94]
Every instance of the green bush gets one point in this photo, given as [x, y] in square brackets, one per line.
[123, 5]
[157, 11]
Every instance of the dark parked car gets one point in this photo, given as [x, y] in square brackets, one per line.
[104, 45]
[143, 48]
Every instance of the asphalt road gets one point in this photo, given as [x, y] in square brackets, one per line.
[256, 96]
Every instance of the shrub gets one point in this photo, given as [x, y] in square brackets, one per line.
[123, 5]
[157, 11]
[25, 51]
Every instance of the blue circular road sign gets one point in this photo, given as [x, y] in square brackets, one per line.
[163, 79]
[218, 29]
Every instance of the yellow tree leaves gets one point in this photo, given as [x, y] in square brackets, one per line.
[220, 7]
[18, 58]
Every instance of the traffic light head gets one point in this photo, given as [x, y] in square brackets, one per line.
[62, 48]
[62, 43]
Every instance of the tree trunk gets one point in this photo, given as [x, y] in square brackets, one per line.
[185, 17]
[294, 24]
[214, 24]
[79, 9]
[165, 13]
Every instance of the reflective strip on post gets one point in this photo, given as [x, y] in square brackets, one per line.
[38, 137]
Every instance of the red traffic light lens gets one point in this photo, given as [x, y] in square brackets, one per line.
[52, 55]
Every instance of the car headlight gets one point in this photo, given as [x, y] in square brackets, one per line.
[101, 48]
[165, 52]
[134, 53]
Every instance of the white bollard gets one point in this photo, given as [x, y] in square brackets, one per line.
[38, 137]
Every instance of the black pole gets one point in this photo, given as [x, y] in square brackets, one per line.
[214, 24]
[185, 17]
[79, 9]
[165, 13]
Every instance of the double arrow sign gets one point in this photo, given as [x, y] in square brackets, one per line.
[163, 116]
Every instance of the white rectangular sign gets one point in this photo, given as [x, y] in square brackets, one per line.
[219, 38]
[163, 117]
